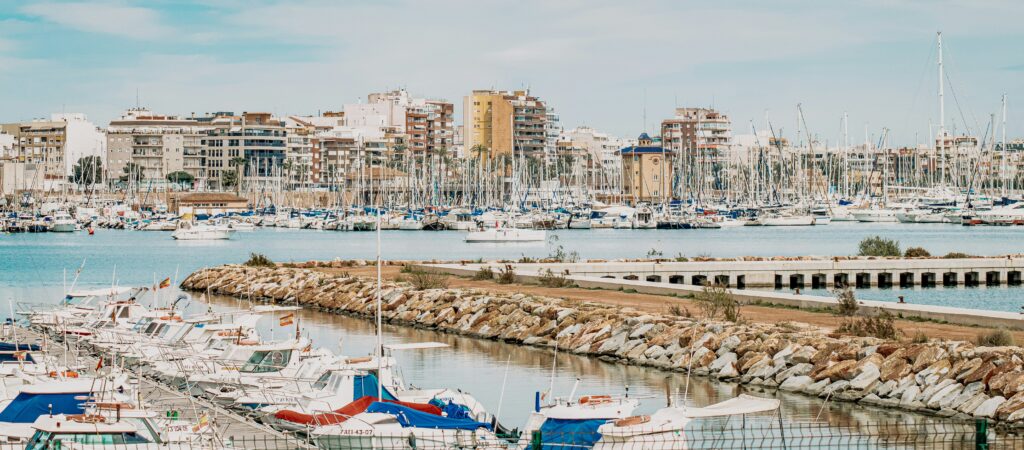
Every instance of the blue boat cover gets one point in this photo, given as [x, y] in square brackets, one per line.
[11, 358]
[570, 434]
[366, 386]
[26, 408]
[8, 347]
[451, 410]
[409, 417]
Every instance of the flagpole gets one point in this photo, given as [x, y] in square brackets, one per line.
[380, 333]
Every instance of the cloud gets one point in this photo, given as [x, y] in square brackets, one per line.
[6, 45]
[118, 20]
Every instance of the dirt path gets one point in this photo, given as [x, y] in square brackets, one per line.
[661, 303]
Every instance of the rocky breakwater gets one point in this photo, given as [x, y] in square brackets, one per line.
[950, 378]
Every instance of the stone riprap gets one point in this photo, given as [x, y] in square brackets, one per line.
[945, 378]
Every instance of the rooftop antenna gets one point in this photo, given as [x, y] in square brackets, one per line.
[136, 97]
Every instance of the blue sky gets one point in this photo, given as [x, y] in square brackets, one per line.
[598, 63]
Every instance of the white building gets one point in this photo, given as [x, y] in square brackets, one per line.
[6, 145]
[82, 138]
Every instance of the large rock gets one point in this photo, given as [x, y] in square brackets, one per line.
[838, 371]
[910, 396]
[927, 356]
[988, 408]
[945, 396]
[728, 359]
[867, 378]
[1012, 405]
[796, 383]
[894, 369]
[796, 370]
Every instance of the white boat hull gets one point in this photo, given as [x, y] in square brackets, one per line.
[787, 221]
[202, 235]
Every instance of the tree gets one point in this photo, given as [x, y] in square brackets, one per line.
[181, 177]
[239, 163]
[88, 170]
[134, 172]
[229, 178]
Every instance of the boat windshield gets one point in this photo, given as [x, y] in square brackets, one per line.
[44, 440]
[267, 361]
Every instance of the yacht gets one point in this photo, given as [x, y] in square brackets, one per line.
[188, 231]
[63, 223]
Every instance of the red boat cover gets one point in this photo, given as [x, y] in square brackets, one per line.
[342, 414]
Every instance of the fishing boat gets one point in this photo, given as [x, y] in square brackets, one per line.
[505, 235]
[188, 231]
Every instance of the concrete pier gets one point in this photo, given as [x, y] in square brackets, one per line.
[810, 273]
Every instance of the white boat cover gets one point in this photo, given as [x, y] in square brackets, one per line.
[744, 404]
[101, 292]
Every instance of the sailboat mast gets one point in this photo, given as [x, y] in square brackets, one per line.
[942, 117]
[1003, 172]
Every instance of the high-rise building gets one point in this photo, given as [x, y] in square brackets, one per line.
[697, 131]
[418, 124]
[55, 145]
[505, 122]
[256, 137]
[158, 144]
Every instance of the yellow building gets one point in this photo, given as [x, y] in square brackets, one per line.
[503, 121]
[646, 172]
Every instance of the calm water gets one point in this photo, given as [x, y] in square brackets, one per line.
[33, 269]
[136, 257]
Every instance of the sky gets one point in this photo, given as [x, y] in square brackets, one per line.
[617, 66]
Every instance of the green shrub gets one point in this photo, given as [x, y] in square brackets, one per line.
[506, 276]
[485, 273]
[716, 300]
[553, 280]
[919, 338]
[847, 302]
[916, 252]
[407, 268]
[428, 280]
[678, 310]
[878, 246]
[259, 260]
[956, 255]
[881, 325]
[995, 338]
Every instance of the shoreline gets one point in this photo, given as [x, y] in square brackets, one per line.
[950, 378]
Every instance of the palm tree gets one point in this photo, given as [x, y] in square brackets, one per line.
[239, 163]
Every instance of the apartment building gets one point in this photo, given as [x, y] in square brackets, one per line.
[158, 144]
[505, 122]
[697, 132]
[303, 155]
[50, 148]
[646, 171]
[344, 152]
[258, 137]
[418, 124]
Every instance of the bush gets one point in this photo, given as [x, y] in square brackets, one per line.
[428, 280]
[506, 276]
[881, 325]
[878, 246]
[678, 310]
[956, 255]
[847, 302]
[553, 280]
[716, 300]
[259, 260]
[485, 273]
[995, 338]
[916, 252]
[407, 268]
[681, 258]
[920, 338]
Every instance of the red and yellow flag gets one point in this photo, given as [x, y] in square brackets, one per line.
[166, 283]
[287, 320]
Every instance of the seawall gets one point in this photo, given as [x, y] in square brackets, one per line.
[949, 378]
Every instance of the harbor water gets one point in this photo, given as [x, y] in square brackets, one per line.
[37, 268]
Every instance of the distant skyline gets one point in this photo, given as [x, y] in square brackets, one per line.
[605, 64]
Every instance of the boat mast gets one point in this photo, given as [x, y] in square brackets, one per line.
[1002, 167]
[942, 117]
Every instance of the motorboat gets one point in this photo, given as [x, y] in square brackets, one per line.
[188, 231]
[506, 235]
[573, 423]
[397, 425]
[1012, 214]
[665, 429]
[63, 223]
[786, 220]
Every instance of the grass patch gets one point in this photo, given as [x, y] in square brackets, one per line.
[428, 280]
[485, 273]
[919, 337]
[553, 280]
[881, 325]
[995, 338]
[506, 276]
[259, 260]
[407, 268]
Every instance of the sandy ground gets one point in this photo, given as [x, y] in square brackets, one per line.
[661, 303]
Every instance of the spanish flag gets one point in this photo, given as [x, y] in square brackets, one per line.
[165, 283]
[287, 320]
